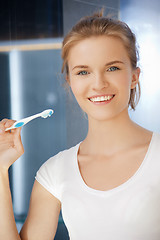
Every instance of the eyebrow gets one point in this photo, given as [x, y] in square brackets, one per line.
[80, 66]
[107, 64]
[113, 62]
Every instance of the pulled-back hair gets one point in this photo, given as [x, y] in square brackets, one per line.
[97, 25]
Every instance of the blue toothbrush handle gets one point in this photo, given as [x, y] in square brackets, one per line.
[22, 122]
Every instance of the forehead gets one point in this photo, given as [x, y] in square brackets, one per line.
[100, 48]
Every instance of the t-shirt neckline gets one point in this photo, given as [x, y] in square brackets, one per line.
[121, 186]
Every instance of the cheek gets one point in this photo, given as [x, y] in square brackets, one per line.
[78, 87]
[74, 88]
[125, 82]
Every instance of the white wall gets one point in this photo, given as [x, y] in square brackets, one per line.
[144, 19]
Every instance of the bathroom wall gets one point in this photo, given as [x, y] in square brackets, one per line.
[144, 19]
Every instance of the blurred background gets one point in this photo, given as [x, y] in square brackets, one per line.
[31, 34]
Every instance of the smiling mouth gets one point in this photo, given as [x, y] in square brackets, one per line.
[101, 98]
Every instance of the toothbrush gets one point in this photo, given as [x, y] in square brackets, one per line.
[22, 122]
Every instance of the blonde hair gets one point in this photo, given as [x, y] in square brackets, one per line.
[97, 25]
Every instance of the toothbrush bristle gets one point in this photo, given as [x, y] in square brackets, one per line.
[47, 113]
[50, 113]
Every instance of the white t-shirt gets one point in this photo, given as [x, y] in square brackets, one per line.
[130, 211]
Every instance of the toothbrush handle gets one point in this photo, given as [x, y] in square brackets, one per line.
[28, 119]
[25, 120]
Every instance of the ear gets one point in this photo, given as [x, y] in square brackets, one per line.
[135, 77]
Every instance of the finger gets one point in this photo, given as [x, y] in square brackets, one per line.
[9, 123]
[17, 135]
[5, 123]
[2, 128]
[4, 120]
[18, 132]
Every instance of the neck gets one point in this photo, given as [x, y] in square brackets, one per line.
[110, 136]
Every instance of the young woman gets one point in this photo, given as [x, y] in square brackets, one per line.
[108, 185]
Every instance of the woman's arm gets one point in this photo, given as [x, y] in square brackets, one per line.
[42, 219]
[11, 149]
[44, 210]
[8, 229]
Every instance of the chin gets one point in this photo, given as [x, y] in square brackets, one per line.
[103, 116]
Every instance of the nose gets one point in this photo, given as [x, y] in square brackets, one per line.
[99, 82]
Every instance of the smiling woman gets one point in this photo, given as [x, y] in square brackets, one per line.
[106, 184]
[95, 26]
[107, 77]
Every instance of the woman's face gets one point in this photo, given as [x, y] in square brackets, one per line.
[101, 76]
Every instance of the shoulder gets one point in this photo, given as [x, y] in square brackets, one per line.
[54, 172]
[63, 155]
[156, 139]
[59, 160]
[154, 145]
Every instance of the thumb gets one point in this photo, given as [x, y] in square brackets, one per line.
[17, 139]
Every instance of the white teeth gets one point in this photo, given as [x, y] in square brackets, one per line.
[101, 99]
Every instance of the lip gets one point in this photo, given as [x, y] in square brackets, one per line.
[102, 95]
[102, 102]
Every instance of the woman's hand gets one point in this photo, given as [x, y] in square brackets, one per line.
[11, 147]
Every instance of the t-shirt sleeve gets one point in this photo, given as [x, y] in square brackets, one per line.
[48, 177]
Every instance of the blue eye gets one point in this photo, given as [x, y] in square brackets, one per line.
[82, 73]
[112, 69]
